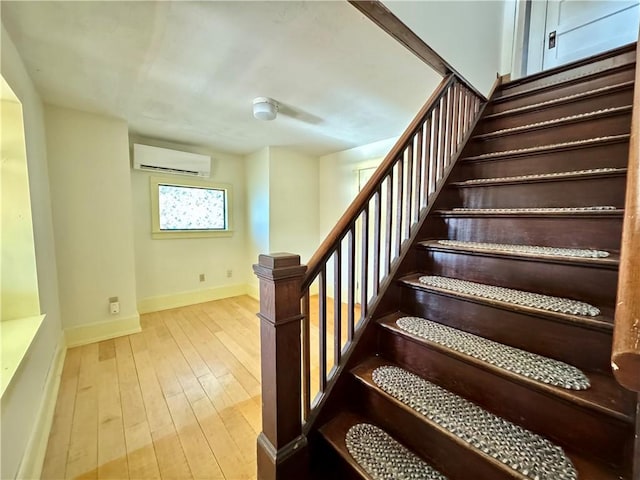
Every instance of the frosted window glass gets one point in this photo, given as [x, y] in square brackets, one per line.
[191, 208]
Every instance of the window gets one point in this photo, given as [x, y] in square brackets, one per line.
[189, 208]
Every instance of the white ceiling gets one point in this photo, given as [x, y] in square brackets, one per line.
[187, 72]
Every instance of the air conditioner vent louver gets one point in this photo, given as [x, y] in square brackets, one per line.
[174, 162]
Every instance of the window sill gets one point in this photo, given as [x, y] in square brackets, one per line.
[17, 336]
[195, 234]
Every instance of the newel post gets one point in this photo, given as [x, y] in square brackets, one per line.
[282, 448]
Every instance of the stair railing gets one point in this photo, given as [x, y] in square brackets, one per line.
[625, 358]
[312, 317]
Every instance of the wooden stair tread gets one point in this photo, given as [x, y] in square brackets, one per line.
[572, 119]
[612, 261]
[504, 96]
[604, 395]
[334, 433]
[618, 212]
[583, 71]
[526, 179]
[561, 101]
[558, 147]
[587, 468]
[603, 322]
[625, 49]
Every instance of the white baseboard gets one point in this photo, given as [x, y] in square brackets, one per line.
[96, 332]
[33, 458]
[165, 302]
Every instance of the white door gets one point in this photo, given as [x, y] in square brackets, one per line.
[577, 29]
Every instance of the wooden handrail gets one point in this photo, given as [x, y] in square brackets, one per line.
[325, 250]
[625, 358]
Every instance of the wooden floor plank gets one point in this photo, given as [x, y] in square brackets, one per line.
[193, 358]
[155, 406]
[241, 432]
[234, 366]
[112, 450]
[182, 370]
[212, 359]
[200, 458]
[55, 463]
[216, 392]
[221, 442]
[82, 461]
[164, 371]
[141, 455]
[171, 459]
[133, 410]
[179, 400]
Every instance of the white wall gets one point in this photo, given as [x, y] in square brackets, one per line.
[92, 207]
[338, 179]
[168, 270]
[293, 203]
[282, 205]
[25, 396]
[257, 211]
[338, 186]
[508, 41]
[18, 279]
[467, 34]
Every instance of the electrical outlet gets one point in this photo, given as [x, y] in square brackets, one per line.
[202, 277]
[114, 308]
[229, 273]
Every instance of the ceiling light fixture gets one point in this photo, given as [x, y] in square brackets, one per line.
[265, 108]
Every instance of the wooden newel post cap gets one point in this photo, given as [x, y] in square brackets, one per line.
[276, 266]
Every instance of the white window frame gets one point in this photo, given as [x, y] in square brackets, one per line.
[157, 233]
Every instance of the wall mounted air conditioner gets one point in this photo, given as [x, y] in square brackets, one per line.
[164, 160]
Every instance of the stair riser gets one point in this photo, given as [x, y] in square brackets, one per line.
[574, 192]
[331, 465]
[582, 130]
[616, 99]
[589, 284]
[601, 156]
[594, 433]
[589, 349]
[448, 456]
[577, 232]
[624, 74]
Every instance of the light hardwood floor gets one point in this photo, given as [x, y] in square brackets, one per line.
[179, 400]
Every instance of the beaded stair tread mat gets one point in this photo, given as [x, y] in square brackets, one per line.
[542, 176]
[527, 364]
[510, 295]
[536, 209]
[384, 458]
[525, 452]
[570, 118]
[543, 148]
[528, 249]
[562, 99]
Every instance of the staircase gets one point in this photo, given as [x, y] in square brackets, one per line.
[485, 383]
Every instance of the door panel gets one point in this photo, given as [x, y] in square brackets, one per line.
[585, 28]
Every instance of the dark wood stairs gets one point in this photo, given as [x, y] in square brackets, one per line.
[569, 128]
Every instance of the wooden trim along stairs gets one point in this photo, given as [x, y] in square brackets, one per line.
[545, 162]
